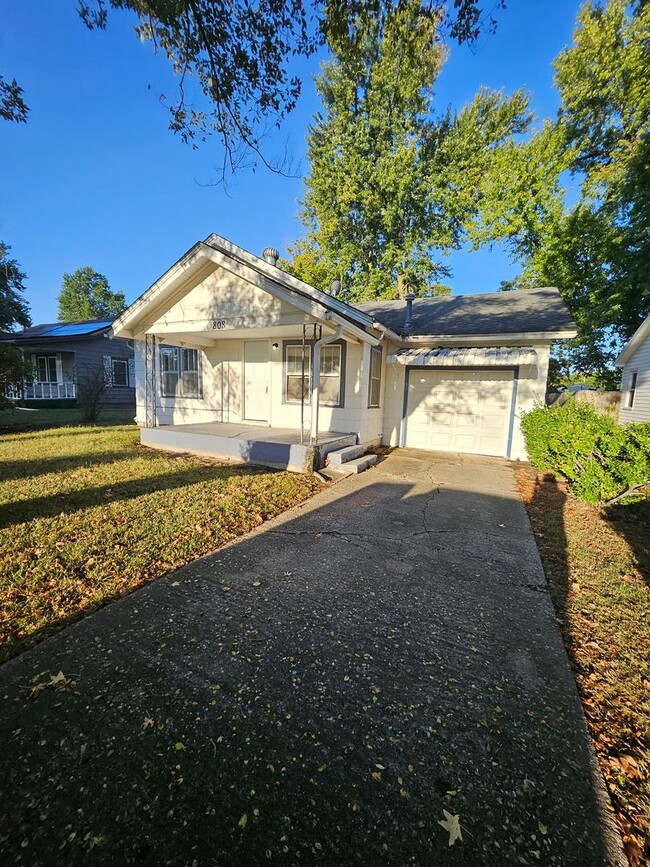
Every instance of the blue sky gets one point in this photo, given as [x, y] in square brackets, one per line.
[96, 178]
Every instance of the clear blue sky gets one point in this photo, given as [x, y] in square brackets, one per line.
[96, 178]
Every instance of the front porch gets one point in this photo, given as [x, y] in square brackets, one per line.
[279, 448]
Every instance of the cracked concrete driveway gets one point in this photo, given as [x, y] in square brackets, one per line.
[317, 693]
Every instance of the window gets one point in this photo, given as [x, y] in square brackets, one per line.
[293, 367]
[120, 370]
[179, 372]
[46, 368]
[332, 365]
[631, 391]
[374, 389]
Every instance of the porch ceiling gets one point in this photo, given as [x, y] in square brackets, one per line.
[216, 336]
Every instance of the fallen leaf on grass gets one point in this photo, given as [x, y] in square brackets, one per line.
[451, 824]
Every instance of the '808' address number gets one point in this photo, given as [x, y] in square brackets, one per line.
[218, 324]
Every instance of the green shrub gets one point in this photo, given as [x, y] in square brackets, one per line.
[598, 457]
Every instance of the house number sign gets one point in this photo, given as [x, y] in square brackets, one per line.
[218, 324]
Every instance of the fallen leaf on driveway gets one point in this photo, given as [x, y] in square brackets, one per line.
[451, 824]
[242, 821]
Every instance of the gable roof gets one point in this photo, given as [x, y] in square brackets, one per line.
[522, 311]
[59, 331]
[219, 251]
[634, 343]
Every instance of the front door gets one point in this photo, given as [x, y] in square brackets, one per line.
[256, 380]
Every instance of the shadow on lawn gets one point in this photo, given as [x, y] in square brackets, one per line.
[631, 520]
[26, 469]
[18, 512]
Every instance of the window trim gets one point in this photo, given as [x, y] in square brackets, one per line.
[631, 390]
[47, 358]
[376, 351]
[178, 351]
[125, 362]
[310, 343]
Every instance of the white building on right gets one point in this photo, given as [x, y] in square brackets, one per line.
[635, 384]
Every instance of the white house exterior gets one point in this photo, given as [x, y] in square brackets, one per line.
[635, 382]
[219, 341]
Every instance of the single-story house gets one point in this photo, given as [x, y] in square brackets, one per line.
[226, 344]
[635, 382]
[62, 352]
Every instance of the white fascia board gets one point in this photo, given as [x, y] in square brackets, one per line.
[634, 343]
[126, 325]
[543, 337]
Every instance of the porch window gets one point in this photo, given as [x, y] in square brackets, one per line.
[179, 372]
[120, 371]
[46, 368]
[332, 364]
[374, 389]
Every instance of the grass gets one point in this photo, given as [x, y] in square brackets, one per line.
[22, 418]
[86, 515]
[597, 562]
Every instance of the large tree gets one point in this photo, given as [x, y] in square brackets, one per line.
[575, 199]
[14, 311]
[233, 59]
[385, 196]
[86, 294]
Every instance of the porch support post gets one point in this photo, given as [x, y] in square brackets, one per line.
[150, 380]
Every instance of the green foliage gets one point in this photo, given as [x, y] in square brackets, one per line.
[598, 457]
[595, 248]
[86, 294]
[232, 59]
[12, 106]
[390, 188]
[14, 310]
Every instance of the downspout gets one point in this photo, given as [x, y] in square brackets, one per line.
[315, 382]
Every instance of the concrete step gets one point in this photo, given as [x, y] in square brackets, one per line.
[342, 456]
[358, 465]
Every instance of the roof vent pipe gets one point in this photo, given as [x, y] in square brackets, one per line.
[271, 256]
[408, 320]
[335, 288]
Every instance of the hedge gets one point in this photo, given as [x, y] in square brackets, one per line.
[599, 458]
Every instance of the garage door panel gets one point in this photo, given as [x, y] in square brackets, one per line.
[460, 410]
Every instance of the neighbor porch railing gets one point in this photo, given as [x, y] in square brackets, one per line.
[43, 391]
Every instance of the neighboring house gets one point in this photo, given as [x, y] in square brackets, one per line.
[220, 340]
[635, 382]
[62, 353]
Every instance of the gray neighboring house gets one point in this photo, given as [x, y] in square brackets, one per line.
[63, 352]
[635, 382]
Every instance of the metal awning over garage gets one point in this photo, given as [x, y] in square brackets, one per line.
[497, 356]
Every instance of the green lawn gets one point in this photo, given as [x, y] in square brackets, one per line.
[87, 514]
[22, 418]
[597, 562]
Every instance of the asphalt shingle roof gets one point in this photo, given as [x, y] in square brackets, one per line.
[521, 311]
[50, 330]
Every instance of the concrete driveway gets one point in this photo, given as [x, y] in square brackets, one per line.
[319, 692]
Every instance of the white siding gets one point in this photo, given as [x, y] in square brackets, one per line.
[639, 364]
[531, 391]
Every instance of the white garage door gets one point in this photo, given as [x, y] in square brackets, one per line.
[459, 410]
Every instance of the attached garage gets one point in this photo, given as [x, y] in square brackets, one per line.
[460, 410]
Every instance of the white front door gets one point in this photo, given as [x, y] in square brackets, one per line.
[256, 380]
[460, 410]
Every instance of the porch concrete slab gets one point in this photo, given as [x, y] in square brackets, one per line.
[279, 448]
[318, 693]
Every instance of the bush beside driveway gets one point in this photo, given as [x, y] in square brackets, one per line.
[86, 515]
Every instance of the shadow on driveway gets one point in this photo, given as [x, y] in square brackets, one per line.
[317, 693]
